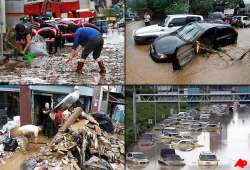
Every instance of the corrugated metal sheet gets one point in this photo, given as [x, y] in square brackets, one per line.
[8, 88]
[244, 89]
[62, 89]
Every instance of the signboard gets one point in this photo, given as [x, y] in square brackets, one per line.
[150, 121]
[2, 16]
[229, 11]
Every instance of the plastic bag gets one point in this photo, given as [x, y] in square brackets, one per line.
[38, 46]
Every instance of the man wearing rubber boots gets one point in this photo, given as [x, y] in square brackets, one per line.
[91, 40]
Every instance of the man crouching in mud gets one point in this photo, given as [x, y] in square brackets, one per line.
[91, 40]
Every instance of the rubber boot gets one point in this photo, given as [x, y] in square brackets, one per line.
[79, 67]
[102, 68]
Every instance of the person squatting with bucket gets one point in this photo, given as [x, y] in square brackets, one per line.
[91, 40]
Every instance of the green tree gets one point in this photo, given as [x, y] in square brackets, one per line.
[202, 7]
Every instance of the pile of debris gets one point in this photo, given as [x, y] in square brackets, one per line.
[80, 144]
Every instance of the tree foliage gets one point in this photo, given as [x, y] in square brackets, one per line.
[203, 7]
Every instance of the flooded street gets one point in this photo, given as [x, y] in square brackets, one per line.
[53, 70]
[224, 68]
[230, 144]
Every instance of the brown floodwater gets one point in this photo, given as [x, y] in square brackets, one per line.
[15, 161]
[203, 69]
[230, 144]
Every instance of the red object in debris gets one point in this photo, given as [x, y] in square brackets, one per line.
[241, 163]
[58, 117]
[67, 35]
[50, 41]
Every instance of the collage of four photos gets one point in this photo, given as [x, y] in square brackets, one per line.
[124, 84]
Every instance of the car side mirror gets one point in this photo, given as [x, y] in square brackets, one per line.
[170, 25]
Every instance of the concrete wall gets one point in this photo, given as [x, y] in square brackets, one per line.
[14, 11]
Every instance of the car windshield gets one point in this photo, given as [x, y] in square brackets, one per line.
[204, 119]
[195, 125]
[147, 137]
[163, 22]
[139, 156]
[173, 158]
[189, 32]
[170, 131]
[207, 157]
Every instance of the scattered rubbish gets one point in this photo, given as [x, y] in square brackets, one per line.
[81, 143]
[38, 46]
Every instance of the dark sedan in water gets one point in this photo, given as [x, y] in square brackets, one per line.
[180, 46]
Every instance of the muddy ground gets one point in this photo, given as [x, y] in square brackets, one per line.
[222, 68]
[16, 160]
[53, 70]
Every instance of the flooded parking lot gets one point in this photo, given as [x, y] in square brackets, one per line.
[230, 144]
[221, 68]
[51, 70]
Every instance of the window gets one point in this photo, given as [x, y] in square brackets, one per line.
[177, 22]
[223, 33]
[245, 18]
[104, 96]
[193, 19]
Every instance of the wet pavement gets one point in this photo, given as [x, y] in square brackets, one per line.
[230, 144]
[53, 70]
[221, 68]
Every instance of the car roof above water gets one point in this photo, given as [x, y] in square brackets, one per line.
[183, 15]
[209, 24]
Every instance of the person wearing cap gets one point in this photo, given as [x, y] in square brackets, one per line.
[91, 40]
[23, 37]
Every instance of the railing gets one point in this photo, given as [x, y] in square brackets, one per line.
[192, 98]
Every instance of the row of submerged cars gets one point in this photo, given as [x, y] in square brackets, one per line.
[169, 157]
[178, 38]
[178, 132]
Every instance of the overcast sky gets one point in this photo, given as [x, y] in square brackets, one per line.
[247, 1]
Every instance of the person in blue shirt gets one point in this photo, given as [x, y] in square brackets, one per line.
[91, 40]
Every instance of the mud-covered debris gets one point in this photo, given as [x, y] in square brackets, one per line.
[81, 143]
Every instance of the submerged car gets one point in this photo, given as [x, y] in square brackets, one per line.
[181, 46]
[170, 158]
[208, 159]
[212, 127]
[170, 24]
[159, 127]
[195, 127]
[183, 144]
[137, 158]
[147, 139]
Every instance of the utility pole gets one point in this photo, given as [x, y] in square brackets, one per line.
[1, 32]
[134, 114]
[155, 103]
[188, 6]
[179, 104]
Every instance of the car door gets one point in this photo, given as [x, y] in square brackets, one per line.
[246, 21]
[175, 24]
[224, 36]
